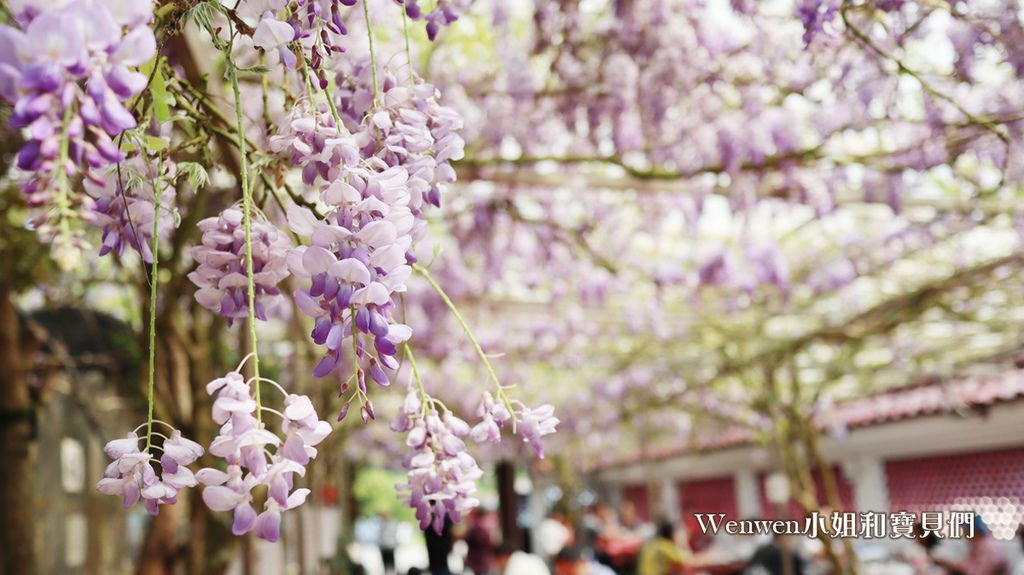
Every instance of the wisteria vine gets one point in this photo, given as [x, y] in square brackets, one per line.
[373, 147]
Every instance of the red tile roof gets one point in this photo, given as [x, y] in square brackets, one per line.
[923, 399]
[929, 399]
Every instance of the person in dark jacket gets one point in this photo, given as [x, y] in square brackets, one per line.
[771, 558]
[481, 543]
[439, 546]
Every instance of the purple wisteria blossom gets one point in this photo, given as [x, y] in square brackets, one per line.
[409, 128]
[530, 424]
[442, 475]
[273, 35]
[132, 477]
[126, 212]
[375, 174]
[312, 28]
[816, 16]
[535, 423]
[312, 143]
[221, 275]
[444, 13]
[68, 71]
[244, 442]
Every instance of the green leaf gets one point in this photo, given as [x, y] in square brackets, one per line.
[134, 182]
[195, 173]
[202, 15]
[154, 144]
[255, 69]
[158, 91]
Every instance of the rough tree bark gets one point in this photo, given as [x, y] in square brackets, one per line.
[16, 415]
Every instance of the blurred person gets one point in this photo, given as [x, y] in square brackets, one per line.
[918, 554]
[630, 521]
[387, 540]
[439, 546]
[772, 558]
[511, 561]
[555, 534]
[623, 538]
[590, 524]
[601, 524]
[725, 546]
[984, 554]
[573, 562]
[481, 543]
[662, 555]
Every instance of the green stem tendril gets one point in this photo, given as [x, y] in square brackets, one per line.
[355, 350]
[164, 423]
[419, 381]
[63, 199]
[373, 67]
[154, 269]
[247, 209]
[469, 333]
[309, 86]
[408, 50]
[327, 94]
[373, 61]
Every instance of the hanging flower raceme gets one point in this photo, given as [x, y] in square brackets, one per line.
[445, 12]
[69, 72]
[221, 274]
[530, 424]
[124, 206]
[244, 442]
[131, 475]
[442, 475]
[355, 264]
[374, 174]
[314, 25]
[408, 128]
[311, 142]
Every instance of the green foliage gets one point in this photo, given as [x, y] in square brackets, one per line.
[26, 262]
[202, 14]
[375, 490]
[195, 173]
[158, 89]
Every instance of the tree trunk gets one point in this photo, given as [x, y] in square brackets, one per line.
[211, 545]
[508, 504]
[160, 548]
[17, 536]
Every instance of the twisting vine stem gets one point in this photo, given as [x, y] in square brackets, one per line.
[63, 201]
[154, 268]
[247, 209]
[419, 381]
[500, 390]
[408, 49]
[373, 60]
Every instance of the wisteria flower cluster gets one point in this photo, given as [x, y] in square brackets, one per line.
[444, 13]
[375, 174]
[125, 206]
[373, 157]
[313, 24]
[355, 263]
[69, 72]
[405, 126]
[221, 273]
[243, 444]
[442, 475]
[530, 424]
[131, 475]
